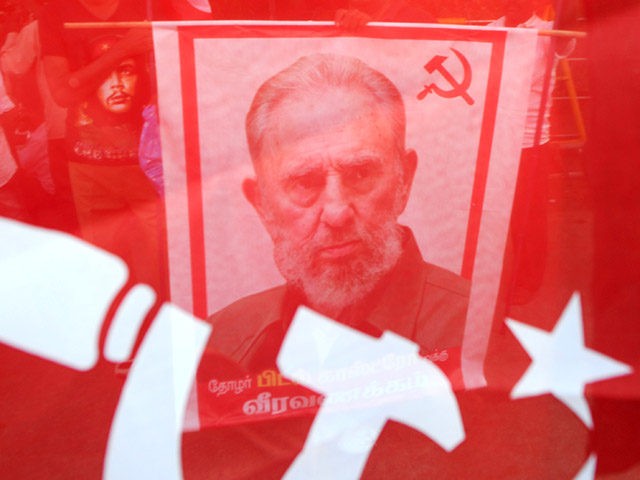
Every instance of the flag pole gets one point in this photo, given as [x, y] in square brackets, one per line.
[82, 25]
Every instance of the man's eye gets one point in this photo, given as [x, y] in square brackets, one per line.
[359, 174]
[304, 189]
[307, 182]
[126, 70]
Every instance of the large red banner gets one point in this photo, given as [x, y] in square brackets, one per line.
[300, 160]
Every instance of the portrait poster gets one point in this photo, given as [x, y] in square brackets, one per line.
[465, 92]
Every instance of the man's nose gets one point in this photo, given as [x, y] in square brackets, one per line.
[116, 81]
[337, 210]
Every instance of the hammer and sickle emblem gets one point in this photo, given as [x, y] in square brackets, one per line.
[458, 89]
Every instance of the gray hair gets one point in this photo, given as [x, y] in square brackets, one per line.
[316, 71]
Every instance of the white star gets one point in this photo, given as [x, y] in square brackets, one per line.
[561, 364]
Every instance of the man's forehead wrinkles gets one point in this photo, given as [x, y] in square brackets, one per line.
[362, 158]
[305, 164]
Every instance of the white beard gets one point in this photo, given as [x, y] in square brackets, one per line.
[330, 287]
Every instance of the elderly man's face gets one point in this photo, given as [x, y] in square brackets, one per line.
[331, 184]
